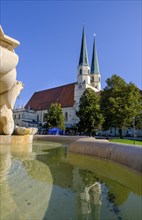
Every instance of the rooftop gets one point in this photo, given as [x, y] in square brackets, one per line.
[42, 100]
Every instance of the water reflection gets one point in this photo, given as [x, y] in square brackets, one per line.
[91, 201]
[51, 184]
[20, 191]
[5, 164]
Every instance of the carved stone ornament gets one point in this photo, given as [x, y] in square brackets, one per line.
[9, 87]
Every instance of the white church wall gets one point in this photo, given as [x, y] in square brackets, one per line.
[40, 116]
[69, 112]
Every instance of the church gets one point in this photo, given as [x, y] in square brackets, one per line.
[67, 95]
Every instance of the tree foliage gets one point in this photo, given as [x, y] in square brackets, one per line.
[54, 117]
[90, 117]
[120, 103]
[138, 121]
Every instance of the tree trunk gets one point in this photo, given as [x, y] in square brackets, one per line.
[120, 132]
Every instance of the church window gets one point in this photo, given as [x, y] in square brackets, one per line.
[37, 117]
[66, 116]
[80, 71]
[19, 116]
[44, 117]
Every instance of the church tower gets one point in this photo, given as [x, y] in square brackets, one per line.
[85, 79]
[95, 72]
[83, 71]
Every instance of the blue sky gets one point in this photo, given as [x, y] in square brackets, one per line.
[50, 38]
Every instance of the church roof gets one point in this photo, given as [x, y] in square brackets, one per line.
[94, 64]
[42, 100]
[83, 60]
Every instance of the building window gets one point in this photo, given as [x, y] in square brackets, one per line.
[66, 116]
[44, 117]
[19, 116]
[80, 71]
[37, 118]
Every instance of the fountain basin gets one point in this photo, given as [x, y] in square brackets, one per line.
[127, 155]
[16, 139]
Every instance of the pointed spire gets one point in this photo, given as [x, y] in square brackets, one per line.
[94, 64]
[83, 60]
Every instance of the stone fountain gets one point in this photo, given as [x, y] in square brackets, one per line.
[9, 90]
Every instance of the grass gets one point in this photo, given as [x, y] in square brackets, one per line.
[126, 141]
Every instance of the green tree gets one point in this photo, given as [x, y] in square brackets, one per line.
[90, 117]
[120, 103]
[54, 117]
[138, 121]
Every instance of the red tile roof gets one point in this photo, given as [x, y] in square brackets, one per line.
[42, 100]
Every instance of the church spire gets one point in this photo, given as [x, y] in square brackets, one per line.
[94, 64]
[83, 60]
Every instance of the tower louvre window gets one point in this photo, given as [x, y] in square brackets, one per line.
[80, 71]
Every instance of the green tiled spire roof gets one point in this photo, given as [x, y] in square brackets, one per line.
[94, 64]
[83, 60]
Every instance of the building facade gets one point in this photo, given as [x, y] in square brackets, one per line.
[67, 95]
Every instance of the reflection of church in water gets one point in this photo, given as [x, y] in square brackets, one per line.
[67, 95]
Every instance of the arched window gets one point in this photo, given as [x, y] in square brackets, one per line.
[66, 116]
[80, 71]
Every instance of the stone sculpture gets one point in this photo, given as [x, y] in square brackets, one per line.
[24, 131]
[9, 87]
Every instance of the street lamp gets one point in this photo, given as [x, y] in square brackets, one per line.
[134, 128]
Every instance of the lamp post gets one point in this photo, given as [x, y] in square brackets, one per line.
[134, 128]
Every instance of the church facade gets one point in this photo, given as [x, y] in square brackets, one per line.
[67, 95]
